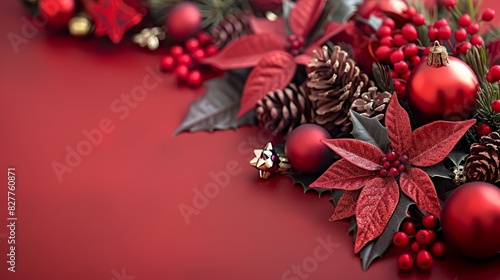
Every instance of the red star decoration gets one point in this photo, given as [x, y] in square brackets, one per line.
[113, 17]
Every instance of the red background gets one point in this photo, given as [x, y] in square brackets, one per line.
[119, 208]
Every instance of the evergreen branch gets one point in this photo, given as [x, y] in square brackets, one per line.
[477, 59]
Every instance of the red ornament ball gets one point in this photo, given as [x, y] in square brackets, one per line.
[443, 92]
[183, 22]
[57, 12]
[306, 152]
[167, 63]
[194, 78]
[471, 219]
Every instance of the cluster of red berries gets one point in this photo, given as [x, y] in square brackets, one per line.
[184, 60]
[393, 164]
[424, 246]
[493, 74]
[295, 44]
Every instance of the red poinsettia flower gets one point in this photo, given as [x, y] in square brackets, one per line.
[272, 52]
[370, 176]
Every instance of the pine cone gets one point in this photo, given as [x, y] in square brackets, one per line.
[483, 162]
[283, 110]
[372, 103]
[334, 84]
[231, 27]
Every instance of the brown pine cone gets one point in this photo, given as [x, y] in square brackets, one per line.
[334, 83]
[283, 110]
[483, 162]
[372, 103]
[231, 27]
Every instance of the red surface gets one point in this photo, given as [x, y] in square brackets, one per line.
[119, 208]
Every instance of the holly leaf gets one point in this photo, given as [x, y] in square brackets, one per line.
[305, 180]
[417, 185]
[263, 25]
[432, 142]
[457, 157]
[346, 206]
[359, 153]
[344, 176]
[369, 130]
[218, 107]
[438, 170]
[274, 71]
[376, 248]
[343, 10]
[245, 52]
[377, 202]
[304, 16]
[398, 127]
[336, 194]
[353, 228]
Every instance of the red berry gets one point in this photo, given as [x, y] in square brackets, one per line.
[408, 227]
[460, 35]
[489, 78]
[402, 168]
[495, 72]
[423, 237]
[194, 78]
[450, 4]
[176, 50]
[211, 50]
[387, 41]
[199, 54]
[411, 11]
[483, 129]
[404, 159]
[405, 262]
[396, 56]
[401, 67]
[181, 72]
[399, 40]
[386, 165]
[400, 239]
[464, 47]
[409, 32]
[415, 247]
[383, 159]
[410, 50]
[394, 75]
[396, 163]
[429, 221]
[432, 33]
[440, 23]
[438, 249]
[473, 28]
[204, 39]
[464, 20]
[382, 172]
[495, 105]
[444, 32]
[185, 59]
[384, 31]
[432, 235]
[192, 45]
[393, 172]
[389, 22]
[488, 14]
[415, 60]
[426, 51]
[392, 156]
[167, 63]
[397, 84]
[477, 40]
[424, 260]
[405, 76]
[418, 19]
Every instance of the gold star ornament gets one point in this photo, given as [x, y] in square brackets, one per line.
[267, 161]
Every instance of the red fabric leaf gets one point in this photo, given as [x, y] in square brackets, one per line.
[332, 29]
[245, 52]
[346, 206]
[359, 153]
[304, 16]
[431, 143]
[343, 175]
[276, 27]
[303, 59]
[398, 127]
[374, 209]
[417, 185]
[274, 71]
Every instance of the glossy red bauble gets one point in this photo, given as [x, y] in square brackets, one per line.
[442, 93]
[266, 5]
[183, 22]
[306, 152]
[57, 12]
[370, 7]
[471, 219]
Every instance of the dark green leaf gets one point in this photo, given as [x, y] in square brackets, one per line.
[369, 130]
[353, 228]
[336, 194]
[376, 248]
[383, 77]
[305, 181]
[438, 170]
[457, 157]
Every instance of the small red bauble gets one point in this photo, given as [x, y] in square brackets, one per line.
[369, 7]
[204, 38]
[400, 239]
[306, 152]
[192, 45]
[199, 54]
[495, 105]
[483, 129]
[181, 72]
[57, 12]
[424, 260]
[429, 221]
[471, 219]
[176, 50]
[194, 78]
[405, 262]
[444, 92]
[185, 59]
[183, 22]
[167, 63]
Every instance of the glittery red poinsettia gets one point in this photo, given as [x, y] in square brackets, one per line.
[272, 52]
[372, 178]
